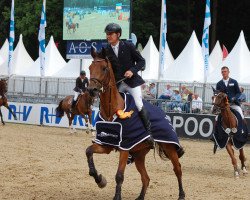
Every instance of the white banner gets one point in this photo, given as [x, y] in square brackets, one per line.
[42, 114]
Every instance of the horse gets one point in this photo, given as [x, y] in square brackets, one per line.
[72, 26]
[102, 82]
[82, 107]
[228, 136]
[4, 100]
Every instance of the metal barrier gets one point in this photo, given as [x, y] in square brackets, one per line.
[51, 90]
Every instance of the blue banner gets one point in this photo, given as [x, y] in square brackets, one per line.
[11, 38]
[205, 39]
[77, 49]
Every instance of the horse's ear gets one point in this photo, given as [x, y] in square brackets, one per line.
[104, 53]
[214, 90]
[93, 52]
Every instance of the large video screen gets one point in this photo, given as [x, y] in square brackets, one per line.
[86, 19]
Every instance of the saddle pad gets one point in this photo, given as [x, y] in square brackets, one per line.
[108, 133]
[239, 138]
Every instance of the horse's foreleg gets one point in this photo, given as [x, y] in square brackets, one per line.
[140, 166]
[234, 161]
[14, 115]
[171, 153]
[1, 115]
[243, 159]
[95, 148]
[119, 177]
[70, 118]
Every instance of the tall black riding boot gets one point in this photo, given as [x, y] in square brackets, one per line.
[73, 105]
[147, 124]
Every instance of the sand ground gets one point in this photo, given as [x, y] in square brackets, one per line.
[49, 163]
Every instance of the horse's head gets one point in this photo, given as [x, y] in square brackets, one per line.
[99, 72]
[220, 102]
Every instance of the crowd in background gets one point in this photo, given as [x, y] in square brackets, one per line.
[180, 99]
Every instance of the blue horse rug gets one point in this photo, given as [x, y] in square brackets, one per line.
[126, 133]
[239, 136]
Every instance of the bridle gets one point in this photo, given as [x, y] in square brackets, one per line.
[105, 82]
[218, 104]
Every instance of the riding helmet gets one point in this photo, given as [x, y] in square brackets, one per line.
[82, 73]
[113, 28]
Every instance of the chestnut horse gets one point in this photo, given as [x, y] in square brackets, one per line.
[3, 99]
[102, 82]
[229, 124]
[82, 107]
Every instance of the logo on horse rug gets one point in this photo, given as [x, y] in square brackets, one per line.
[239, 135]
[126, 133]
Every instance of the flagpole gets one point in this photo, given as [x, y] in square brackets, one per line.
[11, 38]
[41, 39]
[162, 46]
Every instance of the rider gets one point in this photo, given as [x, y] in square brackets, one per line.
[82, 83]
[126, 62]
[231, 88]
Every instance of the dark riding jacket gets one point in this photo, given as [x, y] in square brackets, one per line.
[81, 85]
[232, 90]
[128, 59]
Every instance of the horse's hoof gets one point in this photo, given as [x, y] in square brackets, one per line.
[181, 196]
[3, 123]
[236, 174]
[244, 171]
[87, 131]
[103, 181]
[140, 198]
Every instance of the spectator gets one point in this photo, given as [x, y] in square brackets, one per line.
[196, 104]
[189, 98]
[242, 97]
[176, 100]
[167, 93]
[148, 92]
[183, 88]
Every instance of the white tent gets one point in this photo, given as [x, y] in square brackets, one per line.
[4, 51]
[189, 65]
[215, 58]
[53, 61]
[151, 55]
[237, 61]
[4, 54]
[21, 60]
[72, 68]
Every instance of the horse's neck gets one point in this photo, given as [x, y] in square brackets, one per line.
[111, 100]
[228, 118]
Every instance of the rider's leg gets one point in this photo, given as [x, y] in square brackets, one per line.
[238, 109]
[74, 100]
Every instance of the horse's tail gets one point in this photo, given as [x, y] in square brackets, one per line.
[59, 110]
[164, 156]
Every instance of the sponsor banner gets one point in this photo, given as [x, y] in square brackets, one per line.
[77, 49]
[195, 126]
[42, 114]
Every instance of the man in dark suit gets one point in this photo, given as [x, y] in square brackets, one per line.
[82, 83]
[126, 62]
[231, 88]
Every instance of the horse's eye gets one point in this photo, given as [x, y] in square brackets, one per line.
[104, 69]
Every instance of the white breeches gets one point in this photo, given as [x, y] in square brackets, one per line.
[135, 92]
[76, 95]
[238, 109]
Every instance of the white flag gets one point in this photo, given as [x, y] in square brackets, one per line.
[162, 64]
[41, 39]
[205, 39]
[11, 38]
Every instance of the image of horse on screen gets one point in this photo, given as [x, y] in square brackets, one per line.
[86, 20]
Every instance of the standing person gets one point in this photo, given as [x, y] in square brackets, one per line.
[82, 83]
[126, 62]
[231, 88]
[242, 97]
